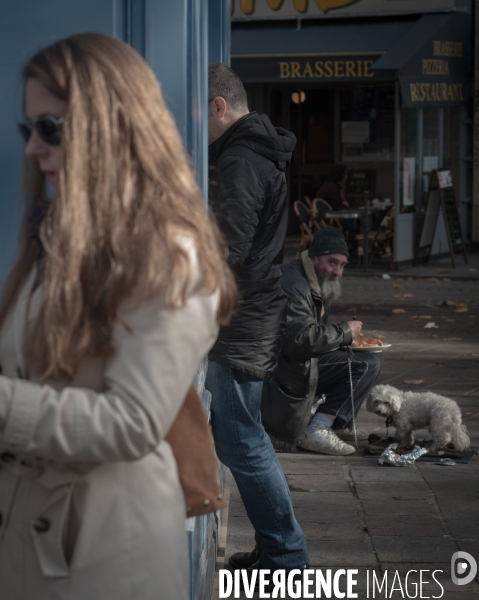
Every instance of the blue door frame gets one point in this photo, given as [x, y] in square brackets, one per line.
[177, 38]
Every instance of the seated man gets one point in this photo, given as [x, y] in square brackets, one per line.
[314, 358]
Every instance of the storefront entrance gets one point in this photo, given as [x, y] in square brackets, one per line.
[388, 99]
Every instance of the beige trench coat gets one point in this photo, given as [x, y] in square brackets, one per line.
[90, 503]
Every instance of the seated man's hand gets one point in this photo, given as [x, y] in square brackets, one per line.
[356, 328]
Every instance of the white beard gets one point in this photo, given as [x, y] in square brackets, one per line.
[330, 288]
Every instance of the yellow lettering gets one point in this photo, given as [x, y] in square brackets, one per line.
[328, 68]
[350, 68]
[284, 71]
[443, 92]
[413, 92]
[308, 71]
[436, 92]
[339, 68]
[427, 88]
[367, 65]
[452, 49]
[318, 68]
[435, 67]
[295, 66]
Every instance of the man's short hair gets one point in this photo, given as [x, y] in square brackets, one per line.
[222, 81]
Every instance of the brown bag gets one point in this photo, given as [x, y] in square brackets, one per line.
[192, 444]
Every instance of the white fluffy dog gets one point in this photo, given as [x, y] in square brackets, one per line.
[409, 411]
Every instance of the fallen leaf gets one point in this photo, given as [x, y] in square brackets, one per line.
[396, 294]
[473, 269]
[474, 354]
[407, 295]
[450, 320]
[460, 309]
[424, 317]
[446, 279]
[397, 286]
[435, 335]
[452, 339]
[441, 303]
[444, 270]
[415, 381]
[352, 310]
[399, 311]
[431, 279]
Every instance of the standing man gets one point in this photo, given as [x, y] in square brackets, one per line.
[314, 358]
[248, 196]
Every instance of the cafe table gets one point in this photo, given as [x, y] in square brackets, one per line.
[363, 214]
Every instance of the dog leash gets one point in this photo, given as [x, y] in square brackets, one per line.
[353, 412]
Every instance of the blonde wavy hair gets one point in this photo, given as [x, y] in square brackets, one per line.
[124, 190]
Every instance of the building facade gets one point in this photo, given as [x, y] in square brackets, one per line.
[383, 86]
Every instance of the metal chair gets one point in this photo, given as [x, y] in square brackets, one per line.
[380, 241]
[319, 210]
[304, 218]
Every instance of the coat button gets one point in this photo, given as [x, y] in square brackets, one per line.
[6, 457]
[41, 525]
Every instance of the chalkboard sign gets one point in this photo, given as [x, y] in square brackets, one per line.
[359, 181]
[441, 195]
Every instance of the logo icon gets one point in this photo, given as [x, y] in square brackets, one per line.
[461, 566]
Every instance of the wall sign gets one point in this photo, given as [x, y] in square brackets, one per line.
[287, 9]
[440, 73]
[359, 181]
[285, 69]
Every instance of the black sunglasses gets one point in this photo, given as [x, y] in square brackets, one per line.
[48, 128]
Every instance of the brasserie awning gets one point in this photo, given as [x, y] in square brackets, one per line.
[430, 56]
[326, 52]
[432, 61]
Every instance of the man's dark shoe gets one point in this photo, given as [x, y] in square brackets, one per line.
[267, 588]
[243, 560]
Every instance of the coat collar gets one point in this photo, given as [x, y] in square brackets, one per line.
[216, 148]
[312, 278]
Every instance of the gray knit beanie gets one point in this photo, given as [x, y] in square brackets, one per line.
[328, 240]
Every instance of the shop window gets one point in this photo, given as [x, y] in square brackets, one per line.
[431, 152]
[315, 115]
[367, 124]
[409, 175]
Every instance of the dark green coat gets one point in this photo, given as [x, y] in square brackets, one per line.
[289, 395]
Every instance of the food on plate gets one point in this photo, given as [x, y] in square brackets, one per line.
[367, 342]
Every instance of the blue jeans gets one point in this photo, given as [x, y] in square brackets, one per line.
[334, 382]
[243, 445]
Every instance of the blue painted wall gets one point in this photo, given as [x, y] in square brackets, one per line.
[171, 34]
[173, 37]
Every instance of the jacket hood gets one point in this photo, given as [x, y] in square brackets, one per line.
[257, 133]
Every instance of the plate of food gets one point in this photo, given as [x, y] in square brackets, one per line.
[369, 345]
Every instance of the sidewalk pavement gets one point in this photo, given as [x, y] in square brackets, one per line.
[358, 514]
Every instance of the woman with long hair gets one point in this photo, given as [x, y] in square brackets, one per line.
[114, 299]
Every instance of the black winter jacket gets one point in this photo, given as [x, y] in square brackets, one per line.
[248, 196]
[288, 396]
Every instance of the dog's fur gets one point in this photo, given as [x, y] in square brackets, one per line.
[414, 410]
